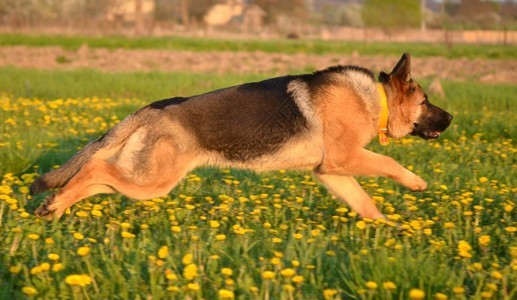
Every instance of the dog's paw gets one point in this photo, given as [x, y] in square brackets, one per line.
[46, 210]
[417, 184]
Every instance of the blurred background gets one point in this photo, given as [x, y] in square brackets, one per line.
[450, 21]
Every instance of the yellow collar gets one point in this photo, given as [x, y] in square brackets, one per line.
[383, 117]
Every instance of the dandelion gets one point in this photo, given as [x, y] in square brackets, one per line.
[329, 293]
[15, 269]
[193, 286]
[220, 237]
[268, 275]
[389, 285]
[227, 271]
[78, 236]
[176, 229]
[214, 224]
[45, 266]
[464, 249]
[484, 240]
[497, 275]
[29, 291]
[78, 280]
[371, 285]
[96, 213]
[187, 259]
[190, 272]
[276, 240]
[57, 267]
[53, 256]
[127, 235]
[361, 225]
[225, 294]
[288, 272]
[511, 229]
[486, 295]
[163, 252]
[83, 251]
[416, 294]
[298, 279]
[440, 296]
[33, 236]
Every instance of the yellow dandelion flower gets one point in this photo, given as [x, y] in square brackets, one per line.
[78, 279]
[190, 272]
[163, 252]
[416, 294]
[276, 240]
[227, 271]
[45, 266]
[187, 259]
[225, 294]
[81, 214]
[288, 272]
[83, 251]
[440, 296]
[484, 240]
[96, 213]
[15, 269]
[33, 236]
[458, 290]
[127, 235]
[268, 275]
[361, 225]
[497, 275]
[329, 293]
[193, 286]
[486, 295]
[449, 225]
[176, 229]
[57, 267]
[511, 229]
[29, 291]
[298, 279]
[371, 285]
[36, 270]
[220, 237]
[389, 285]
[214, 224]
[78, 236]
[53, 256]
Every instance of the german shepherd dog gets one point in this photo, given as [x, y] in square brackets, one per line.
[320, 121]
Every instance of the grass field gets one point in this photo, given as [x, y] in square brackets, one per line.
[225, 234]
[270, 46]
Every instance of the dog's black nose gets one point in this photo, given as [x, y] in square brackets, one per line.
[449, 116]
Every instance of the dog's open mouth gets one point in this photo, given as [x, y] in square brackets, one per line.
[431, 134]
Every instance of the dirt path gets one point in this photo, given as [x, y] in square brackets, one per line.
[120, 60]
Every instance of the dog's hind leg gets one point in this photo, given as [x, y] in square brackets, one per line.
[348, 189]
[99, 176]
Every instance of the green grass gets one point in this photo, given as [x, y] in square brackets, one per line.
[278, 222]
[272, 46]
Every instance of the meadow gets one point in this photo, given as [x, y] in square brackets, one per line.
[233, 234]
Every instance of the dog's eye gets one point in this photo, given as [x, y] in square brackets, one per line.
[425, 102]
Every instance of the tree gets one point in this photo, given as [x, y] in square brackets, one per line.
[392, 14]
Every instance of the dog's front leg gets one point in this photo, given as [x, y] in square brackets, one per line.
[368, 163]
[348, 189]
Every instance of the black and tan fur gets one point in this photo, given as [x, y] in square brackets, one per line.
[319, 121]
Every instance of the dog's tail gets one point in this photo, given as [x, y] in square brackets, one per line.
[59, 177]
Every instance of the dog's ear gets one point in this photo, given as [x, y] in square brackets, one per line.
[403, 68]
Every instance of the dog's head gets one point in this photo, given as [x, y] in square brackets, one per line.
[410, 111]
